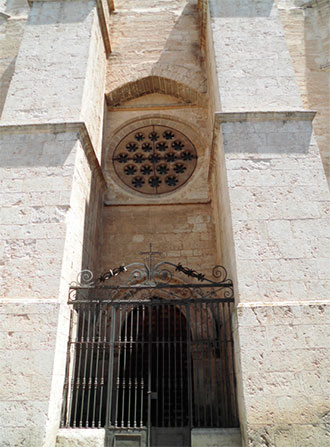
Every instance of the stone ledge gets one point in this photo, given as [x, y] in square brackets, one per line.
[61, 127]
[281, 115]
[4, 15]
[283, 303]
[103, 13]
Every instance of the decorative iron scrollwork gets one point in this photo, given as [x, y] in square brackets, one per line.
[85, 278]
[220, 273]
[111, 273]
[149, 276]
[190, 272]
[152, 275]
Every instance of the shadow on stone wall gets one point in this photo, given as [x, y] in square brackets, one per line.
[5, 81]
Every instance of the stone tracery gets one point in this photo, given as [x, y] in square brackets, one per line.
[155, 159]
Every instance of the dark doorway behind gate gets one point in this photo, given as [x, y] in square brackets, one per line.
[151, 353]
[161, 365]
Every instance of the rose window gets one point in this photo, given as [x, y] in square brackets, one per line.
[155, 159]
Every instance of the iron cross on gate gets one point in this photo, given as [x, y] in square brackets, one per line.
[151, 254]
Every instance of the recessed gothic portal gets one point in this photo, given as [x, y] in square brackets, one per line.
[155, 159]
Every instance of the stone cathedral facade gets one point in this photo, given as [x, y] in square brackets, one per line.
[202, 128]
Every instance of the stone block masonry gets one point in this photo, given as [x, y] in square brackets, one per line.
[279, 206]
[279, 203]
[36, 183]
[50, 190]
[283, 350]
[258, 200]
[172, 31]
[51, 187]
[28, 337]
[183, 233]
[279, 200]
[62, 44]
[306, 27]
[275, 169]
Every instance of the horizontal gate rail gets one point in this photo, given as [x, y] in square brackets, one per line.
[146, 301]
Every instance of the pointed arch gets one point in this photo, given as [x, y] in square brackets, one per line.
[155, 84]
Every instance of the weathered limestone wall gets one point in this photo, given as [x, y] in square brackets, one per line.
[51, 197]
[221, 208]
[183, 233]
[13, 16]
[252, 61]
[279, 203]
[28, 337]
[37, 170]
[155, 37]
[284, 367]
[306, 27]
[80, 251]
[56, 62]
[156, 74]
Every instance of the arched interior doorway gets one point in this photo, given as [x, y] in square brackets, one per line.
[152, 355]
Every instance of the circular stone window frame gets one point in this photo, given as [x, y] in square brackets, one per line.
[119, 187]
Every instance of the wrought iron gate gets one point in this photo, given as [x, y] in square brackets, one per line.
[153, 354]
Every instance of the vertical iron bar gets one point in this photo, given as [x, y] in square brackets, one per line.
[81, 326]
[142, 369]
[169, 362]
[86, 344]
[136, 365]
[102, 368]
[233, 421]
[211, 394]
[157, 364]
[149, 373]
[190, 397]
[66, 398]
[91, 369]
[225, 359]
[112, 336]
[163, 374]
[197, 361]
[118, 366]
[72, 369]
[175, 375]
[98, 346]
[221, 355]
[203, 381]
[216, 372]
[182, 397]
[124, 374]
[130, 370]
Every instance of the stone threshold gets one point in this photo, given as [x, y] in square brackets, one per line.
[216, 437]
